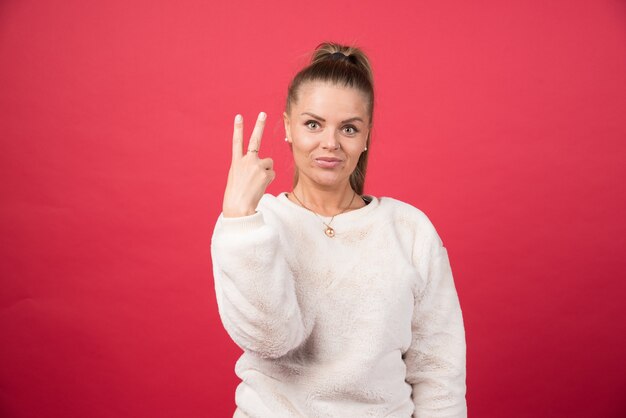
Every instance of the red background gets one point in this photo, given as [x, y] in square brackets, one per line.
[503, 121]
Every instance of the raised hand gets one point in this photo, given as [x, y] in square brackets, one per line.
[249, 175]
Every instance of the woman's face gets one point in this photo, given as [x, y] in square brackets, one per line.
[328, 129]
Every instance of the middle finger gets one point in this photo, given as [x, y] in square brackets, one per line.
[257, 132]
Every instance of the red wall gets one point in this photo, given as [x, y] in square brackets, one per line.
[503, 121]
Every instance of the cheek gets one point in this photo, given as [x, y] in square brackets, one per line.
[304, 142]
[354, 148]
[300, 149]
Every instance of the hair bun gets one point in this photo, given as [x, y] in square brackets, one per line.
[340, 56]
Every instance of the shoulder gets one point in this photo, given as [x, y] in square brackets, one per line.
[269, 202]
[277, 208]
[416, 229]
[405, 212]
[264, 208]
[410, 220]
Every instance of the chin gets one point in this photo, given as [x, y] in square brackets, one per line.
[328, 180]
[325, 177]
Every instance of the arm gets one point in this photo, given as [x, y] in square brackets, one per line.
[254, 286]
[436, 357]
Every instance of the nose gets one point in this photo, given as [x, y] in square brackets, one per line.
[330, 141]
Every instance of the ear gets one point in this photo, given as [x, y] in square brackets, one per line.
[287, 124]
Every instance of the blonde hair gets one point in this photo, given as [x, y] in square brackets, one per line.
[353, 69]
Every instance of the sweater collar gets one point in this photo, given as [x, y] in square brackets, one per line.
[342, 217]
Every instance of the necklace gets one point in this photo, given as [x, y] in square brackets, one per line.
[329, 231]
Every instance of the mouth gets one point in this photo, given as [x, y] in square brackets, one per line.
[327, 162]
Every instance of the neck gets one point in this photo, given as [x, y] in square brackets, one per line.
[325, 201]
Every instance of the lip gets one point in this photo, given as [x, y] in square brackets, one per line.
[327, 162]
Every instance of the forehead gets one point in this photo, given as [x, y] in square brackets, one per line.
[326, 99]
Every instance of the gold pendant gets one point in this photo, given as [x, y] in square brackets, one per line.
[329, 232]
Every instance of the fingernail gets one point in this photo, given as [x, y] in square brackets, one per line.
[238, 118]
[262, 115]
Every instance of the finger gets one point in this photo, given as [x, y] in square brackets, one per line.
[267, 163]
[238, 137]
[257, 132]
[271, 175]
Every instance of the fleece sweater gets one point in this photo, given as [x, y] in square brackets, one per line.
[365, 324]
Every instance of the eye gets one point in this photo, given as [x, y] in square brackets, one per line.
[308, 123]
[351, 129]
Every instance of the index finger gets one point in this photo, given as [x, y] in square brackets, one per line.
[238, 137]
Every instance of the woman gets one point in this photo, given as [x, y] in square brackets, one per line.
[344, 303]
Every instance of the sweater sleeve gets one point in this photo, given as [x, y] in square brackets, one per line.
[436, 358]
[254, 286]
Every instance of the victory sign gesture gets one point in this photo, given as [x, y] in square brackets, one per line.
[249, 175]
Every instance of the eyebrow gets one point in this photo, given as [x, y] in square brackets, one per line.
[324, 120]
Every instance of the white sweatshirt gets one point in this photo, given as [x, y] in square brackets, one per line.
[364, 324]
